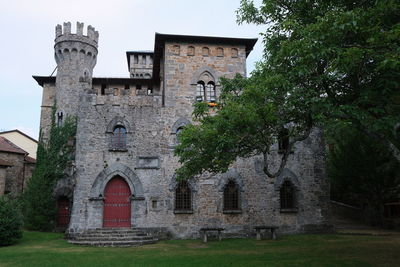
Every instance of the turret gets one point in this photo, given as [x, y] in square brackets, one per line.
[76, 55]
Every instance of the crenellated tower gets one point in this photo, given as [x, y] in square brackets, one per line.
[76, 55]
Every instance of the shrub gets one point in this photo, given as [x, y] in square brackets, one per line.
[10, 221]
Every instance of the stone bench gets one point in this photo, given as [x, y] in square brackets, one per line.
[203, 231]
[266, 227]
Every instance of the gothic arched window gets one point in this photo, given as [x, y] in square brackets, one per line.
[287, 195]
[183, 196]
[118, 141]
[200, 92]
[210, 92]
[231, 196]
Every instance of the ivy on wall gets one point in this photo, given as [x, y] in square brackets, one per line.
[53, 157]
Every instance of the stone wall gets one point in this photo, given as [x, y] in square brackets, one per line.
[15, 174]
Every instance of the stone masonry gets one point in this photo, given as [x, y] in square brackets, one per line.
[152, 105]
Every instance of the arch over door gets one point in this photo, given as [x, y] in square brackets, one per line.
[117, 204]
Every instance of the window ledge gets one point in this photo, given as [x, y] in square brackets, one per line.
[183, 211]
[232, 211]
[292, 210]
[118, 150]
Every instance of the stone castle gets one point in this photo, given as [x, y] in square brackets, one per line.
[123, 170]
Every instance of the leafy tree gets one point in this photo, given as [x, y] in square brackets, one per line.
[10, 221]
[53, 157]
[326, 62]
[363, 172]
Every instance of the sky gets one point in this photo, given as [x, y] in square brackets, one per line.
[27, 32]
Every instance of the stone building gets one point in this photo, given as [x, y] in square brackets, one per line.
[16, 168]
[123, 174]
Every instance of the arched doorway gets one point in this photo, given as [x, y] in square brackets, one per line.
[63, 212]
[117, 203]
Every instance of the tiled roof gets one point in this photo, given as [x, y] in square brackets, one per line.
[4, 163]
[8, 146]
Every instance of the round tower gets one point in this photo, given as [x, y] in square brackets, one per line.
[76, 56]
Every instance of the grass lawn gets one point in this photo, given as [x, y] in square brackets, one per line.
[49, 249]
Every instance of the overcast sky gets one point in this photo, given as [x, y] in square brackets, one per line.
[27, 40]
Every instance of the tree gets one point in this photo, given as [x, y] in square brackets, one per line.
[362, 172]
[326, 62]
[53, 157]
[10, 221]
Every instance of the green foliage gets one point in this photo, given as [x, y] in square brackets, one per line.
[362, 172]
[338, 60]
[10, 221]
[245, 122]
[52, 161]
[326, 62]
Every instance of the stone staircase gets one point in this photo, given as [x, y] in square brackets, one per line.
[112, 237]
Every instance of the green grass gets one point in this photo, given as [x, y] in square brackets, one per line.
[49, 249]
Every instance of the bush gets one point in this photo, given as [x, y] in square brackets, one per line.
[10, 221]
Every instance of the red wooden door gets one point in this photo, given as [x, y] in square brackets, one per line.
[117, 204]
[63, 212]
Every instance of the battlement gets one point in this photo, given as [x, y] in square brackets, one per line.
[63, 33]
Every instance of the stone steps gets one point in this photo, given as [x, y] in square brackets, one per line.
[112, 237]
[134, 243]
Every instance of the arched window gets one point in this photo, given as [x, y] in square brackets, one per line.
[119, 138]
[59, 118]
[190, 51]
[234, 52]
[176, 50]
[205, 51]
[287, 195]
[183, 197]
[211, 92]
[283, 140]
[231, 196]
[178, 131]
[200, 93]
[220, 52]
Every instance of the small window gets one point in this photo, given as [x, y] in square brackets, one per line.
[220, 52]
[283, 140]
[119, 138]
[183, 196]
[200, 93]
[126, 86]
[154, 204]
[287, 196]
[211, 92]
[59, 118]
[103, 89]
[138, 86]
[206, 51]
[176, 50]
[231, 196]
[190, 51]
[234, 52]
